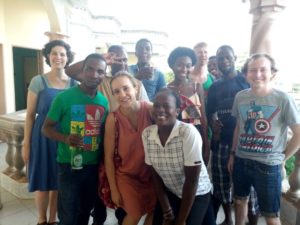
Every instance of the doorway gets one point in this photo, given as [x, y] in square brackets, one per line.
[27, 64]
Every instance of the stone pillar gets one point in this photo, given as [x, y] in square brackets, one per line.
[9, 153]
[264, 13]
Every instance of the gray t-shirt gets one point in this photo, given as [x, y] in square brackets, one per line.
[264, 122]
[36, 84]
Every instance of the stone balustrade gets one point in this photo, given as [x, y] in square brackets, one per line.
[13, 178]
[12, 133]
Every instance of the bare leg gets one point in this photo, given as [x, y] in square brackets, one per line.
[128, 220]
[227, 212]
[273, 221]
[52, 206]
[241, 210]
[253, 219]
[41, 202]
[149, 219]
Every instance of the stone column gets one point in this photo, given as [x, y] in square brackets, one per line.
[265, 13]
[6, 137]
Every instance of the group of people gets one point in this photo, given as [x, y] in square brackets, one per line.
[163, 135]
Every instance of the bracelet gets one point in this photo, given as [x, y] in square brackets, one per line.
[167, 212]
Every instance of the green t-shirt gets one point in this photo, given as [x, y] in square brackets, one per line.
[78, 113]
[208, 82]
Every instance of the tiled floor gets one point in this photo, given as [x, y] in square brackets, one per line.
[23, 212]
[16, 211]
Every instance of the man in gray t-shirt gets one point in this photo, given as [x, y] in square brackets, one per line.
[264, 115]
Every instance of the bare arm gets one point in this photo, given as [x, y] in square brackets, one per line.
[204, 126]
[74, 70]
[294, 144]
[109, 146]
[162, 196]
[188, 193]
[215, 124]
[49, 130]
[234, 146]
[30, 118]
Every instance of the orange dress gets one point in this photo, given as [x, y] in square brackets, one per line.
[133, 175]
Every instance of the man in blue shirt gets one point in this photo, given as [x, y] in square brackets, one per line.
[219, 102]
[152, 79]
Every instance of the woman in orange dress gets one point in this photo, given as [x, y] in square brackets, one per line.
[130, 183]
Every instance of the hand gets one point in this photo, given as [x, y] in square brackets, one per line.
[230, 163]
[216, 129]
[74, 140]
[116, 198]
[108, 57]
[145, 73]
[168, 217]
[217, 126]
[112, 58]
[26, 153]
[206, 154]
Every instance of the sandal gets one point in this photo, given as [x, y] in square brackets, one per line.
[43, 223]
[53, 223]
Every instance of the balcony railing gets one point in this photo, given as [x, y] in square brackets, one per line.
[12, 133]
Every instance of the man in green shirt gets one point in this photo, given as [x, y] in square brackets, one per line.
[76, 120]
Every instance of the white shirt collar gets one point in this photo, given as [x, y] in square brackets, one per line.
[174, 133]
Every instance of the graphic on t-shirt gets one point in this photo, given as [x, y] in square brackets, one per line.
[253, 114]
[86, 121]
[257, 123]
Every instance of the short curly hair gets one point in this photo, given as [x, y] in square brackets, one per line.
[48, 47]
[181, 52]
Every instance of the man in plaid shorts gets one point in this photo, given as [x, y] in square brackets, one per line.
[219, 104]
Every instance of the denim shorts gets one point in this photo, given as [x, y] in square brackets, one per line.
[265, 179]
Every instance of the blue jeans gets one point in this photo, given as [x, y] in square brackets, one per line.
[266, 181]
[197, 212]
[77, 192]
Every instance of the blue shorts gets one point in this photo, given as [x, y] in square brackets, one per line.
[266, 181]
